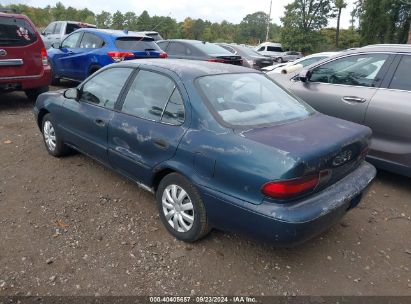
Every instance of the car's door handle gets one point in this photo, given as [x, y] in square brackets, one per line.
[161, 143]
[100, 122]
[354, 99]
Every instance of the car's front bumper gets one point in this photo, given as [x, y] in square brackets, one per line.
[288, 224]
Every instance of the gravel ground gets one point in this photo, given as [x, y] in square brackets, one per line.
[70, 226]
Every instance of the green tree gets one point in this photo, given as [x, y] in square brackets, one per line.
[118, 21]
[144, 22]
[253, 27]
[384, 21]
[338, 6]
[131, 21]
[301, 24]
[103, 20]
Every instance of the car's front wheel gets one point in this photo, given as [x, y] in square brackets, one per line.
[54, 145]
[181, 208]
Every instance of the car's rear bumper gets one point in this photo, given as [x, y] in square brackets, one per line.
[288, 224]
[26, 82]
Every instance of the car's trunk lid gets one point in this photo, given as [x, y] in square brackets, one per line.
[318, 143]
[230, 59]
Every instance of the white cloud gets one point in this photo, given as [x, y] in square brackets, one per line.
[213, 10]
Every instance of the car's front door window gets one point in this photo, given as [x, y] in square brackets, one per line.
[148, 95]
[71, 41]
[104, 88]
[357, 70]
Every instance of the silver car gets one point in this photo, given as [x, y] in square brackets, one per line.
[288, 56]
[56, 31]
[371, 86]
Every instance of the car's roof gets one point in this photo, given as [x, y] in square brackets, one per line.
[187, 40]
[189, 69]
[395, 48]
[13, 15]
[115, 33]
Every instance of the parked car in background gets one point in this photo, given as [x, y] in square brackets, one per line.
[370, 86]
[155, 35]
[58, 30]
[198, 50]
[251, 59]
[220, 145]
[288, 56]
[87, 50]
[304, 61]
[269, 49]
[23, 57]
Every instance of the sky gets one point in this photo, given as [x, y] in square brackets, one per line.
[214, 10]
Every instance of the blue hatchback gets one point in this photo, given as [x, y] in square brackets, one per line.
[87, 50]
[220, 145]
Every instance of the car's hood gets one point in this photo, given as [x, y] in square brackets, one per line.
[315, 141]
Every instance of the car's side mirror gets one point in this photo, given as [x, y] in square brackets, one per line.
[56, 45]
[44, 33]
[304, 75]
[72, 93]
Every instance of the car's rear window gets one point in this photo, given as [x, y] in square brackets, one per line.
[250, 99]
[137, 44]
[16, 32]
[71, 27]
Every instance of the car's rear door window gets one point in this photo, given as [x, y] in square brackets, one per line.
[91, 41]
[148, 96]
[250, 99]
[16, 32]
[177, 48]
[104, 88]
[401, 78]
[136, 44]
[357, 70]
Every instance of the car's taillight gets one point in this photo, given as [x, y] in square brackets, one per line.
[216, 60]
[120, 56]
[43, 53]
[163, 55]
[294, 187]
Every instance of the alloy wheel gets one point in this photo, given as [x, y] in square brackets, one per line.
[49, 135]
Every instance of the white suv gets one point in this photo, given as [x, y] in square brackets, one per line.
[270, 49]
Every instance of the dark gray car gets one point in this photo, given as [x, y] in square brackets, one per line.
[251, 59]
[371, 86]
[198, 50]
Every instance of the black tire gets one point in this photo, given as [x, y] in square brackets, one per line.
[199, 227]
[60, 149]
[54, 79]
[32, 94]
[280, 60]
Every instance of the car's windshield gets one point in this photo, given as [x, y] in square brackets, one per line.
[250, 99]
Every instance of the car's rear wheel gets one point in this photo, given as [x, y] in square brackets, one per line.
[280, 60]
[54, 145]
[181, 208]
[34, 93]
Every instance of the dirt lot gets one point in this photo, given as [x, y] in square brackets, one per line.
[70, 226]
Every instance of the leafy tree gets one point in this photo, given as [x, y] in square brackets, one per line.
[384, 21]
[131, 21]
[187, 27]
[104, 20]
[118, 21]
[253, 27]
[144, 22]
[338, 6]
[301, 24]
